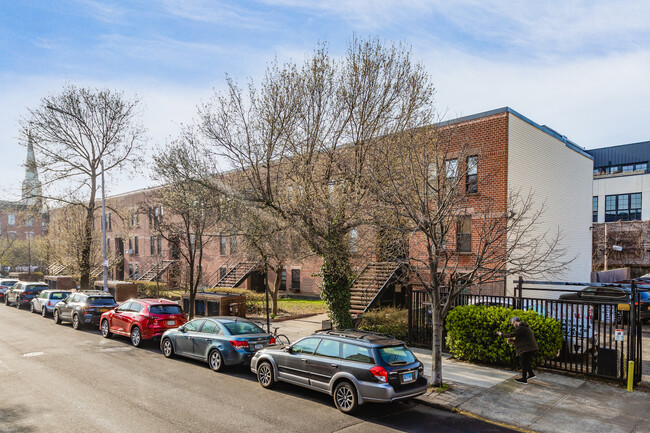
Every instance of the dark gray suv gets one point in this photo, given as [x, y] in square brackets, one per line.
[354, 367]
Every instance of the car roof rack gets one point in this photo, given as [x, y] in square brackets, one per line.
[355, 333]
[95, 292]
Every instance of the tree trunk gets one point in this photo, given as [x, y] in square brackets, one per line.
[337, 276]
[276, 287]
[86, 246]
[192, 289]
[436, 347]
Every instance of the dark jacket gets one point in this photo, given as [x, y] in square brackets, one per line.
[524, 338]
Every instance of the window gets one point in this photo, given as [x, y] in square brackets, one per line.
[283, 284]
[131, 245]
[12, 236]
[222, 272]
[136, 307]
[109, 222]
[352, 352]
[328, 348]
[135, 246]
[241, 328]
[29, 221]
[29, 235]
[464, 234]
[233, 244]
[472, 174]
[11, 219]
[135, 219]
[295, 279]
[451, 168]
[209, 327]
[594, 209]
[152, 245]
[222, 245]
[159, 244]
[354, 241]
[194, 325]
[306, 346]
[623, 207]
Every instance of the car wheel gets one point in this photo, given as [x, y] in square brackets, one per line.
[167, 348]
[18, 303]
[106, 333]
[345, 397]
[215, 360]
[265, 375]
[76, 323]
[44, 311]
[6, 301]
[136, 336]
[57, 318]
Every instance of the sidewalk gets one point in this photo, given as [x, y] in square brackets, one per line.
[550, 403]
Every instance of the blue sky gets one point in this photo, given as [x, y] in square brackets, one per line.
[582, 68]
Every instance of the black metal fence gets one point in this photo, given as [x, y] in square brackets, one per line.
[599, 338]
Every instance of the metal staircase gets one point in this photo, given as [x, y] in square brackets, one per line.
[237, 274]
[157, 270]
[58, 268]
[369, 284]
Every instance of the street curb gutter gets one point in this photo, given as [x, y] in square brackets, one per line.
[471, 415]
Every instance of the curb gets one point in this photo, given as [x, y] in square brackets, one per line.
[454, 409]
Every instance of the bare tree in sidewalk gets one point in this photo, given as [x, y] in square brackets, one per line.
[428, 179]
[77, 134]
[306, 132]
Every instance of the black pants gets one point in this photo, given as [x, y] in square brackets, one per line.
[526, 369]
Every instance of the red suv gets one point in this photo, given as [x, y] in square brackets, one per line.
[142, 319]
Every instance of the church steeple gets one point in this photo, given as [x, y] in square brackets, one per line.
[32, 194]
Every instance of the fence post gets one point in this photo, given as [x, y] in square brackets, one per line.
[409, 306]
[632, 347]
[520, 284]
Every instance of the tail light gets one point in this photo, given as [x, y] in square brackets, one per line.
[380, 373]
[271, 341]
[239, 344]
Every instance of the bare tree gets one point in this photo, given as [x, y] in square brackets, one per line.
[427, 181]
[78, 134]
[192, 212]
[301, 140]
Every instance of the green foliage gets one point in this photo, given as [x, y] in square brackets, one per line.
[255, 303]
[388, 320]
[471, 334]
[336, 272]
[148, 289]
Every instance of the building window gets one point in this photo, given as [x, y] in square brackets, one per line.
[233, 245]
[135, 246]
[594, 208]
[295, 279]
[283, 284]
[159, 245]
[130, 271]
[464, 234]
[152, 245]
[354, 241]
[130, 246]
[11, 219]
[12, 236]
[108, 245]
[29, 221]
[222, 245]
[29, 235]
[623, 207]
[222, 272]
[472, 174]
[451, 168]
[136, 271]
[109, 223]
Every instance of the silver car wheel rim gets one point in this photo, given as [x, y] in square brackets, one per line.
[43, 311]
[135, 336]
[265, 375]
[215, 360]
[167, 347]
[344, 397]
[104, 328]
[75, 321]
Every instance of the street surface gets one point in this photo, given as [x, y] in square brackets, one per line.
[56, 379]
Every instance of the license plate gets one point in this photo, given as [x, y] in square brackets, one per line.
[407, 377]
[258, 346]
[171, 322]
[103, 310]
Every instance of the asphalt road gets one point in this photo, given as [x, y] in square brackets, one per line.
[56, 379]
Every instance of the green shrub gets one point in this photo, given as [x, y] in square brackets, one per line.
[471, 334]
[148, 289]
[388, 320]
[254, 301]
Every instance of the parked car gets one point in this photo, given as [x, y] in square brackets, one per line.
[596, 295]
[354, 367]
[220, 341]
[83, 308]
[44, 303]
[6, 284]
[23, 292]
[142, 319]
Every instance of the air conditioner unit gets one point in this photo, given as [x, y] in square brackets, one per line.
[129, 252]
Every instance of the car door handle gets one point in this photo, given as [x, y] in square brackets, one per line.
[334, 365]
[304, 360]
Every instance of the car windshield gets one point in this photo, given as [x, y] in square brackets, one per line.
[239, 328]
[165, 309]
[59, 295]
[397, 355]
[101, 300]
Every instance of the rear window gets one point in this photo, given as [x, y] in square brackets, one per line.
[32, 289]
[96, 300]
[59, 295]
[398, 355]
[165, 309]
[353, 352]
[239, 328]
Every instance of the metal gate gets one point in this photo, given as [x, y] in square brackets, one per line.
[599, 338]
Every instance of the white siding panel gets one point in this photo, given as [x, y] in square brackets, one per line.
[561, 178]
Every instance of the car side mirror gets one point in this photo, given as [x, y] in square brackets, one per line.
[181, 328]
[287, 349]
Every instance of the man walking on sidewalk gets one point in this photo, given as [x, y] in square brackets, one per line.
[525, 347]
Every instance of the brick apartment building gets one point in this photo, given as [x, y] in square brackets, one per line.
[519, 154]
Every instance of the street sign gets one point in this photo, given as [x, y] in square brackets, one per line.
[623, 307]
[618, 335]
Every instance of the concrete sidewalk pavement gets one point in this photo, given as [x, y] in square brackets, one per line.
[549, 403]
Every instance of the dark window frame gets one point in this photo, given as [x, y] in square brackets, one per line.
[594, 208]
[464, 234]
[618, 207]
[295, 279]
[472, 175]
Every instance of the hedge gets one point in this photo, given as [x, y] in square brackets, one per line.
[388, 320]
[471, 334]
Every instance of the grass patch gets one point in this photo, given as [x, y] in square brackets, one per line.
[440, 389]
